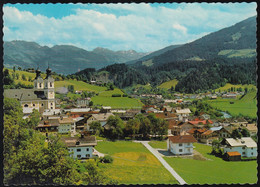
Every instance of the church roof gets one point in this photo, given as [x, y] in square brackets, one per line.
[24, 94]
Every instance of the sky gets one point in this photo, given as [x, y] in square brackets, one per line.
[141, 27]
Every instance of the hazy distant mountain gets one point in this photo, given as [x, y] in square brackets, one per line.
[63, 59]
[153, 54]
[118, 56]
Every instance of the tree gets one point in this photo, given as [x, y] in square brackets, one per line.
[96, 127]
[133, 126]
[245, 132]
[23, 77]
[14, 69]
[145, 125]
[17, 76]
[90, 103]
[34, 119]
[7, 79]
[71, 88]
[116, 127]
[236, 134]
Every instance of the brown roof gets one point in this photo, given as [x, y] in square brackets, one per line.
[66, 120]
[208, 132]
[182, 139]
[165, 115]
[49, 122]
[85, 141]
[235, 153]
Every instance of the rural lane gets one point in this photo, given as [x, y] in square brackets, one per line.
[164, 163]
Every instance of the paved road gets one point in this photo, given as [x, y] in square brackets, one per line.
[164, 163]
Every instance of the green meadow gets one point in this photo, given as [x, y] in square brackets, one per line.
[133, 164]
[169, 84]
[215, 170]
[158, 144]
[228, 86]
[246, 106]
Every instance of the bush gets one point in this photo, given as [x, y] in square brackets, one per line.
[116, 95]
[125, 95]
[106, 159]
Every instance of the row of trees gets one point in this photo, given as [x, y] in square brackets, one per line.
[29, 159]
[140, 125]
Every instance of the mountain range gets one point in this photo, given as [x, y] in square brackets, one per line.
[228, 55]
[64, 59]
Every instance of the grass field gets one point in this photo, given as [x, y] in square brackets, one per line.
[238, 53]
[246, 106]
[228, 86]
[80, 85]
[158, 144]
[169, 84]
[215, 170]
[133, 164]
[117, 102]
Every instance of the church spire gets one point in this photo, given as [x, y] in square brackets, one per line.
[48, 71]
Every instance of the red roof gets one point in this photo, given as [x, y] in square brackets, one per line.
[204, 122]
[182, 139]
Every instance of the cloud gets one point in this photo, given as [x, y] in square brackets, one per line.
[142, 27]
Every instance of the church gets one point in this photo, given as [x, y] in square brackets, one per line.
[41, 97]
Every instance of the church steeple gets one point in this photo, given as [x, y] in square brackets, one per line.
[48, 72]
[38, 73]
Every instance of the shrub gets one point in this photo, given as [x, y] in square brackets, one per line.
[116, 95]
[106, 159]
[125, 95]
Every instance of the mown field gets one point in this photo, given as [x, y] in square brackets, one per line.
[133, 164]
[169, 84]
[158, 144]
[215, 170]
[246, 106]
[228, 86]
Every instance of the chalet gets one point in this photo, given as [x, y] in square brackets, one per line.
[182, 113]
[48, 125]
[166, 115]
[246, 146]
[252, 128]
[66, 125]
[181, 145]
[82, 147]
[178, 128]
[41, 97]
[102, 118]
[82, 102]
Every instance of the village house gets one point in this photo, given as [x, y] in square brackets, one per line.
[82, 102]
[178, 128]
[252, 128]
[183, 113]
[41, 97]
[80, 147]
[245, 146]
[181, 145]
[48, 125]
[66, 125]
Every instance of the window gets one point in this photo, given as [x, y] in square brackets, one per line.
[78, 150]
[25, 105]
[51, 104]
[33, 104]
[180, 144]
[42, 104]
[87, 149]
[188, 144]
[180, 150]
[243, 147]
[252, 153]
[244, 153]
[78, 156]
[40, 85]
[87, 155]
[50, 84]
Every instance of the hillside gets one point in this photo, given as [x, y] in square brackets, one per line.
[63, 59]
[239, 39]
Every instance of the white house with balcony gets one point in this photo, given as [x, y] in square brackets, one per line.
[246, 146]
[181, 145]
[80, 148]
